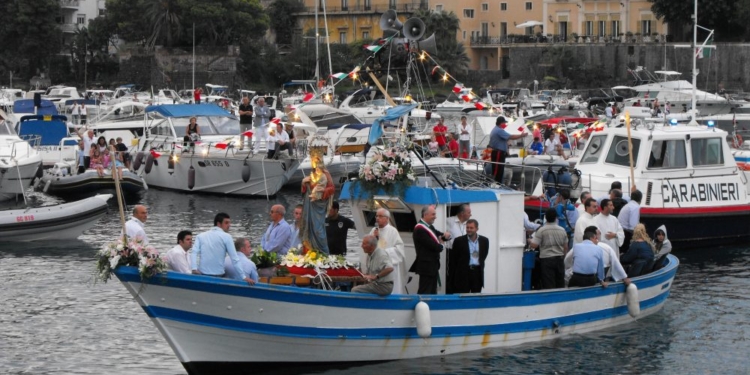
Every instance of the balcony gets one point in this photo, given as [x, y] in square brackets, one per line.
[362, 9]
[523, 39]
[69, 4]
[69, 28]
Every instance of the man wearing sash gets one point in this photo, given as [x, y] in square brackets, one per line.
[390, 241]
[428, 243]
[466, 261]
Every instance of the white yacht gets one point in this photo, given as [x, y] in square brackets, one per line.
[19, 161]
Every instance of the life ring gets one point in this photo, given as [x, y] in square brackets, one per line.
[737, 141]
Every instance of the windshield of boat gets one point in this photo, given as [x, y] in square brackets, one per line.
[208, 125]
[619, 152]
[6, 128]
[594, 149]
[707, 151]
[667, 154]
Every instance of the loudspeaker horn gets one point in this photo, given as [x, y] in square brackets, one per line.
[389, 21]
[428, 45]
[414, 28]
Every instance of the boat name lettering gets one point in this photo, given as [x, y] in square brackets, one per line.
[24, 218]
[702, 192]
[48, 148]
[217, 163]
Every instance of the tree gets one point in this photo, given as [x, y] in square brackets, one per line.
[29, 35]
[451, 55]
[125, 19]
[282, 19]
[164, 16]
[224, 22]
[726, 17]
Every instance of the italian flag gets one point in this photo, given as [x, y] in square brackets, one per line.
[339, 75]
[373, 48]
[480, 106]
[457, 88]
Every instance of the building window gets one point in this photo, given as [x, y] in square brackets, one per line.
[615, 29]
[368, 4]
[485, 29]
[439, 8]
[342, 37]
[529, 5]
[391, 4]
[101, 12]
[81, 19]
[646, 27]
[503, 6]
[468, 13]
[365, 35]
[602, 28]
[485, 7]
[503, 29]
[344, 4]
[463, 35]
[589, 28]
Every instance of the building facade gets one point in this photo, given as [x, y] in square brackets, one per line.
[75, 14]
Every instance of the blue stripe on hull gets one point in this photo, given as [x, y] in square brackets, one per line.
[394, 302]
[391, 333]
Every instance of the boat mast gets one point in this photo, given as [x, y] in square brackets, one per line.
[193, 86]
[328, 45]
[693, 111]
[317, 46]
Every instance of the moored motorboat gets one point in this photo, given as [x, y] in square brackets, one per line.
[64, 221]
[19, 161]
[62, 181]
[208, 321]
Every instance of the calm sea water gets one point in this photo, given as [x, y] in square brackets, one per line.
[55, 320]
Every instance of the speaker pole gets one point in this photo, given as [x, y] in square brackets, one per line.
[380, 87]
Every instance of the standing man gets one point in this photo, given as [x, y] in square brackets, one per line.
[464, 138]
[75, 112]
[586, 219]
[439, 131]
[379, 271]
[390, 241]
[289, 128]
[81, 158]
[499, 144]
[612, 233]
[134, 226]
[428, 243]
[278, 236]
[88, 140]
[178, 258]
[243, 253]
[262, 114]
[196, 95]
[582, 207]
[466, 261]
[246, 120]
[296, 239]
[457, 224]
[337, 227]
[586, 262]
[630, 216]
[212, 247]
[552, 242]
[84, 113]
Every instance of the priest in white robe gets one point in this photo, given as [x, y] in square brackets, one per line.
[612, 232]
[390, 241]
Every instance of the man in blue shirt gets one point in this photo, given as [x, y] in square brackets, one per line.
[243, 252]
[211, 247]
[499, 144]
[588, 264]
[278, 236]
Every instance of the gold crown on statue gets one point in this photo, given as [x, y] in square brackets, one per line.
[317, 152]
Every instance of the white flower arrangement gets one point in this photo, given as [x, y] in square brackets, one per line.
[114, 254]
[314, 259]
[388, 167]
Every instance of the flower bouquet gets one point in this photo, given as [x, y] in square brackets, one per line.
[266, 261]
[313, 262]
[389, 170]
[135, 253]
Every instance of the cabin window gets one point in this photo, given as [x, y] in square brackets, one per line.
[619, 151]
[707, 151]
[594, 149]
[668, 154]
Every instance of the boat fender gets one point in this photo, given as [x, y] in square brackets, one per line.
[246, 172]
[575, 184]
[424, 326]
[138, 160]
[191, 178]
[631, 294]
[46, 186]
[149, 163]
[170, 164]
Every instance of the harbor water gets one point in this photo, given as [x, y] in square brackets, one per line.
[55, 320]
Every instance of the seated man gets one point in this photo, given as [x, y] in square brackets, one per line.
[282, 141]
[243, 252]
[178, 259]
[379, 269]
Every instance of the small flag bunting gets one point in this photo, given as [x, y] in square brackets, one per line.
[339, 75]
[248, 134]
[308, 97]
[465, 98]
[221, 145]
[480, 106]
[372, 48]
[457, 88]
[276, 120]
[155, 154]
[521, 129]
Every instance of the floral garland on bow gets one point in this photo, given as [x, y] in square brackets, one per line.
[314, 259]
[135, 253]
[389, 170]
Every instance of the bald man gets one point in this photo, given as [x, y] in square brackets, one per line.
[135, 226]
[278, 236]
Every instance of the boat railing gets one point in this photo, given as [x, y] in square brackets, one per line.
[28, 141]
[473, 173]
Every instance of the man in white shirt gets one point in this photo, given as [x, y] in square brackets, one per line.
[390, 241]
[629, 217]
[464, 138]
[134, 226]
[88, 139]
[612, 233]
[178, 259]
[282, 141]
[243, 252]
[608, 112]
[586, 219]
[457, 224]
